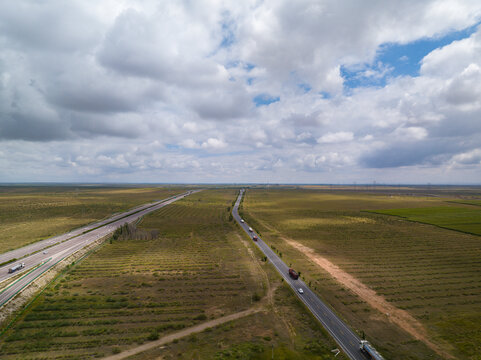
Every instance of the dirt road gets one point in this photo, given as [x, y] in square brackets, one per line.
[180, 334]
[398, 316]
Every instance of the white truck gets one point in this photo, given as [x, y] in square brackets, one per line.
[16, 267]
[369, 350]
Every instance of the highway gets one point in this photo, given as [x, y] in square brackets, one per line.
[67, 244]
[342, 334]
[40, 245]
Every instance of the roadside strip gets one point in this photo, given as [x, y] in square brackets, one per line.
[342, 334]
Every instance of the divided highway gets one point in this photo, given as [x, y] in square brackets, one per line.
[345, 337]
[65, 245]
[40, 245]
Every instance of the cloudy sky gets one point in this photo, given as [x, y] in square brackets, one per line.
[240, 91]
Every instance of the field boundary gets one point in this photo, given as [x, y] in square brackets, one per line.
[421, 222]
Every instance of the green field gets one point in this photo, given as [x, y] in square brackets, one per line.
[29, 214]
[136, 290]
[466, 219]
[431, 272]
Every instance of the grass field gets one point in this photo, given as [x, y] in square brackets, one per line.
[432, 273]
[29, 214]
[132, 291]
[466, 219]
[284, 331]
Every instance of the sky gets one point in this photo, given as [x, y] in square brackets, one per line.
[323, 91]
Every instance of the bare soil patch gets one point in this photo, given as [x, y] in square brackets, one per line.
[399, 317]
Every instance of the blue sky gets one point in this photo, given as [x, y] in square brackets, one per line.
[395, 59]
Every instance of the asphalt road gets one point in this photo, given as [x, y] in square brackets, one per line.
[37, 263]
[344, 337]
[40, 245]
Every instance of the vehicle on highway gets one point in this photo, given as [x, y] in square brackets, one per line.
[367, 349]
[250, 229]
[300, 291]
[255, 238]
[45, 252]
[16, 267]
[293, 274]
[242, 221]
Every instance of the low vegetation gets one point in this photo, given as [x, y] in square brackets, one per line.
[466, 219]
[183, 265]
[431, 272]
[29, 214]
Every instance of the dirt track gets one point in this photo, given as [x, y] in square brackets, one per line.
[180, 334]
[400, 317]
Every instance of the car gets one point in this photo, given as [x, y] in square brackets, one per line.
[242, 221]
[45, 251]
[300, 291]
[250, 229]
[255, 238]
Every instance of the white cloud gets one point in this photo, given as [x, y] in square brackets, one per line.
[472, 157]
[410, 133]
[137, 91]
[213, 143]
[341, 136]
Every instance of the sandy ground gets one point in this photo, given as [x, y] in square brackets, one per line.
[399, 317]
[180, 334]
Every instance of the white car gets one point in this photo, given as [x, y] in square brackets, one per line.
[301, 291]
[242, 221]
[250, 229]
[45, 251]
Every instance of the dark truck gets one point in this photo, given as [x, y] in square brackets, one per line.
[293, 274]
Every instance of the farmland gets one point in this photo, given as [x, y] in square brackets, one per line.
[466, 219]
[134, 290]
[430, 272]
[29, 214]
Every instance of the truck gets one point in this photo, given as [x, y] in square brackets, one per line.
[369, 350]
[16, 267]
[293, 274]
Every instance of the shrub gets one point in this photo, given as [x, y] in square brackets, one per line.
[201, 317]
[154, 335]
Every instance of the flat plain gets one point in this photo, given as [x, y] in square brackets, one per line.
[430, 272]
[137, 289]
[30, 214]
[462, 218]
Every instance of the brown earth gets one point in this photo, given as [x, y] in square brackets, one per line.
[398, 316]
